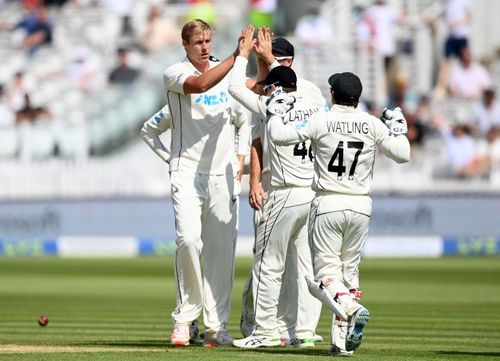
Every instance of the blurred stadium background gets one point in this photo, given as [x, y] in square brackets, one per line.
[76, 180]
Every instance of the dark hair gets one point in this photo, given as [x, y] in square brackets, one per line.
[349, 103]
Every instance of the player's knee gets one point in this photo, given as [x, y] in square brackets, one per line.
[188, 240]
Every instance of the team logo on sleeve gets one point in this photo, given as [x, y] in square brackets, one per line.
[158, 117]
[302, 124]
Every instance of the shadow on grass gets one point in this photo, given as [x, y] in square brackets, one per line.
[139, 343]
[164, 344]
[293, 351]
[470, 353]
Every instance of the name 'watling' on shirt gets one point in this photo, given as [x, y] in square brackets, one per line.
[347, 127]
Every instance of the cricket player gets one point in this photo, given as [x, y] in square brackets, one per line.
[202, 177]
[161, 122]
[273, 53]
[344, 141]
[284, 216]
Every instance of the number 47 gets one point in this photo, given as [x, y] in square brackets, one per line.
[338, 157]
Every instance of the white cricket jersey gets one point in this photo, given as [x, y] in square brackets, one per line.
[344, 143]
[312, 93]
[161, 121]
[291, 166]
[202, 137]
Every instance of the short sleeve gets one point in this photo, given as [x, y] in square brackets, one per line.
[174, 78]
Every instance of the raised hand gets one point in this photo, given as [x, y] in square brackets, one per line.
[246, 41]
[263, 47]
[394, 120]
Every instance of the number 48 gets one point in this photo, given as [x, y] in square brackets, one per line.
[336, 164]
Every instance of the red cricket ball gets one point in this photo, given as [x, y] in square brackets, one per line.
[43, 320]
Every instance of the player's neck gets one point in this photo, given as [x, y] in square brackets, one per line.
[201, 67]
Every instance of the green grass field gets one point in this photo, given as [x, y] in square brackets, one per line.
[119, 309]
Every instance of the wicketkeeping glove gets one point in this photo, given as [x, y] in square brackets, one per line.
[394, 120]
[279, 103]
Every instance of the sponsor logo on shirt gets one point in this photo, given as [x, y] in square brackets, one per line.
[212, 99]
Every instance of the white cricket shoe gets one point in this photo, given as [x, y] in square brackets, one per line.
[355, 327]
[253, 341]
[180, 335]
[217, 338]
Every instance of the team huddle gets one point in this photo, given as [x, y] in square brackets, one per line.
[310, 178]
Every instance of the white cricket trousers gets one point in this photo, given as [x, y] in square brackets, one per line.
[293, 322]
[281, 235]
[337, 239]
[206, 212]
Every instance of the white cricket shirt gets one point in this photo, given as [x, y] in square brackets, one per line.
[291, 166]
[202, 137]
[344, 143]
[161, 121]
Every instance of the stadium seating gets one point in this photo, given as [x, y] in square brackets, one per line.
[9, 142]
[92, 131]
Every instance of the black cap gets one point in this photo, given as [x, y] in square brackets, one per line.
[283, 76]
[346, 86]
[283, 47]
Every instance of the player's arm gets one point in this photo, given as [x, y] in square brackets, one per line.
[241, 121]
[286, 134]
[257, 195]
[200, 84]
[262, 71]
[289, 133]
[239, 91]
[265, 57]
[159, 123]
[180, 82]
[243, 132]
[176, 79]
[396, 147]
